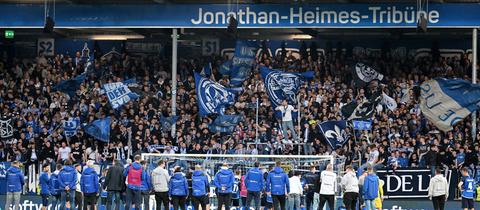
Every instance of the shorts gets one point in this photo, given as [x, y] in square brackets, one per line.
[45, 200]
[467, 203]
[89, 199]
[203, 200]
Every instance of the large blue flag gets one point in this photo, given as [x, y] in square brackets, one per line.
[99, 129]
[167, 122]
[212, 97]
[225, 123]
[446, 102]
[70, 86]
[243, 61]
[118, 93]
[334, 132]
[226, 68]
[283, 85]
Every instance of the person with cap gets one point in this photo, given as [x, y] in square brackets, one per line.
[200, 189]
[328, 180]
[115, 184]
[350, 185]
[55, 186]
[15, 182]
[89, 186]
[254, 182]
[370, 189]
[44, 181]
[278, 186]
[67, 179]
[312, 188]
[160, 179]
[78, 189]
[438, 190]
[224, 181]
[178, 189]
[135, 174]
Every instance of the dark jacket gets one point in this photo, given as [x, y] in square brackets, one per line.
[115, 181]
[68, 177]
[89, 181]
[15, 179]
[312, 180]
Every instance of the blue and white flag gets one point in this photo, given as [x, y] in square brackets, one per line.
[362, 125]
[167, 122]
[212, 97]
[364, 74]
[70, 86]
[224, 123]
[118, 93]
[242, 62]
[334, 132]
[283, 85]
[226, 68]
[389, 102]
[446, 102]
[99, 129]
[206, 70]
[70, 127]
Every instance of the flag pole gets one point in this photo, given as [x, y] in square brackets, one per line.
[256, 126]
[299, 117]
[474, 80]
[174, 78]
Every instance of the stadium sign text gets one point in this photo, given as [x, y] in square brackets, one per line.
[392, 15]
[315, 16]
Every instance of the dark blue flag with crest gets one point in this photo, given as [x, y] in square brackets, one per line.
[70, 86]
[70, 127]
[224, 123]
[334, 132]
[243, 61]
[99, 129]
[212, 97]
[167, 122]
[283, 85]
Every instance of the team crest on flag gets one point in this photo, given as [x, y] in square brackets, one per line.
[70, 127]
[366, 74]
[212, 97]
[334, 132]
[6, 128]
[283, 85]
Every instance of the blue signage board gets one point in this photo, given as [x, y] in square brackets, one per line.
[362, 125]
[462, 15]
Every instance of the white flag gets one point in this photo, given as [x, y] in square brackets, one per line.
[389, 102]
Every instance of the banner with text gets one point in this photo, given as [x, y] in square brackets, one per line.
[248, 15]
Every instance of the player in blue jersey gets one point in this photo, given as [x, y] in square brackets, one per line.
[467, 187]
[236, 188]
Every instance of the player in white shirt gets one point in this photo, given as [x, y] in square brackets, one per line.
[328, 181]
[350, 186]
[287, 121]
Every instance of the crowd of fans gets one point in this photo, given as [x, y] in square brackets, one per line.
[401, 138]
